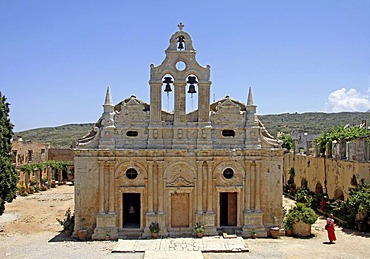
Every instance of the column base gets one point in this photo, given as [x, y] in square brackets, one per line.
[105, 227]
[160, 218]
[209, 223]
[253, 221]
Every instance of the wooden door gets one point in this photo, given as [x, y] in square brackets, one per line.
[180, 210]
[232, 211]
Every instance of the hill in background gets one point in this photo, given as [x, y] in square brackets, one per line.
[290, 123]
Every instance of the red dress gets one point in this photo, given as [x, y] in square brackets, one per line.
[331, 233]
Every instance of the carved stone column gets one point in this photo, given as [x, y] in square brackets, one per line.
[106, 217]
[209, 218]
[101, 186]
[257, 194]
[111, 187]
[253, 216]
[204, 101]
[252, 184]
[161, 215]
[247, 186]
[180, 101]
[150, 187]
[209, 187]
[200, 186]
[155, 100]
[160, 187]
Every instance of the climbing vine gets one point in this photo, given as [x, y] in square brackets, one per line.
[341, 133]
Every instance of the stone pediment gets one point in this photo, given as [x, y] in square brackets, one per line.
[133, 102]
[180, 182]
[228, 106]
[131, 110]
[227, 111]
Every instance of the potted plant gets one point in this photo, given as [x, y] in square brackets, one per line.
[154, 229]
[274, 231]
[82, 234]
[288, 225]
[199, 229]
[301, 218]
[254, 234]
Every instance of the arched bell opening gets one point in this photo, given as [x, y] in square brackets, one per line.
[180, 46]
[192, 91]
[167, 93]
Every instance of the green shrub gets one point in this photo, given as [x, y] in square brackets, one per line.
[300, 213]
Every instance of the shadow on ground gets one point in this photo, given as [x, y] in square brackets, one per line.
[352, 232]
[62, 237]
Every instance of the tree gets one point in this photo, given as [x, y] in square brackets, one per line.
[288, 142]
[8, 175]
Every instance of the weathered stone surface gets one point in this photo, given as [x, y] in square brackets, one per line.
[216, 165]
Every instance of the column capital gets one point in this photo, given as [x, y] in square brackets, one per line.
[179, 83]
[204, 83]
[155, 83]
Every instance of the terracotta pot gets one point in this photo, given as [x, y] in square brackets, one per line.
[274, 232]
[155, 235]
[254, 236]
[200, 234]
[82, 234]
[302, 229]
[288, 232]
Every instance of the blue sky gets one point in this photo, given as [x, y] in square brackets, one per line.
[58, 57]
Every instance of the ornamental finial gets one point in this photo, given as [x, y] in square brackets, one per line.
[181, 26]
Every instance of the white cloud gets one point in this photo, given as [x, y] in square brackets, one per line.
[347, 101]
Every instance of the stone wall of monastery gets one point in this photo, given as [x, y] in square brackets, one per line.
[333, 174]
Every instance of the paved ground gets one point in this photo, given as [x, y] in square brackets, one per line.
[31, 231]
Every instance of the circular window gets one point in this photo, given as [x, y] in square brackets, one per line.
[228, 173]
[131, 173]
[180, 66]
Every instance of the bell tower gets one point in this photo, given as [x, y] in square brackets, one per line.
[180, 70]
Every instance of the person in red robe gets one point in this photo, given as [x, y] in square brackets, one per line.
[330, 228]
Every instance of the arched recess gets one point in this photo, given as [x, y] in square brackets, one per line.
[120, 174]
[130, 192]
[168, 93]
[237, 179]
[179, 172]
[318, 188]
[192, 93]
[304, 183]
[338, 194]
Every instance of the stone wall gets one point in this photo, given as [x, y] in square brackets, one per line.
[26, 152]
[59, 154]
[334, 175]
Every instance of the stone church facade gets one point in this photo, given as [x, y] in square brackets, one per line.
[216, 164]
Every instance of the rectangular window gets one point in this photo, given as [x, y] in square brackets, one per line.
[30, 155]
[15, 156]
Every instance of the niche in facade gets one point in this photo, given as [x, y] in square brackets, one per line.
[228, 133]
[132, 133]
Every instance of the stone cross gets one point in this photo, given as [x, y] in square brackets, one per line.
[181, 26]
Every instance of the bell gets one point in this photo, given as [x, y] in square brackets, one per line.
[192, 80]
[168, 88]
[192, 89]
[180, 40]
[168, 80]
[181, 46]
